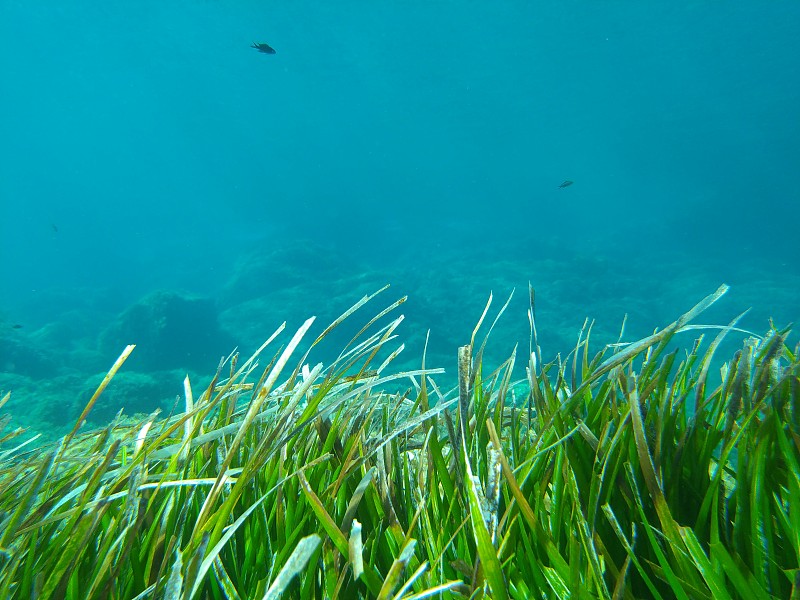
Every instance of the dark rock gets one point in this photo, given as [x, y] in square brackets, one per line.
[22, 355]
[131, 392]
[171, 331]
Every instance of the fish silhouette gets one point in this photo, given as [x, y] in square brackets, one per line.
[566, 183]
[263, 47]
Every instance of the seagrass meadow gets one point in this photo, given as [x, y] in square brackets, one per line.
[628, 471]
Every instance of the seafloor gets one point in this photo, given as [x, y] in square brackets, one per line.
[53, 357]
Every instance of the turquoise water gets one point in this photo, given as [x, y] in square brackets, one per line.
[148, 148]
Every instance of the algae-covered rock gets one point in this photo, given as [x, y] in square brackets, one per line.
[131, 392]
[171, 331]
[275, 285]
[290, 265]
[23, 355]
[46, 405]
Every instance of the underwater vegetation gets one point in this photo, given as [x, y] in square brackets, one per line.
[618, 473]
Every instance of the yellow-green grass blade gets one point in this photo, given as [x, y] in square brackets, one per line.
[489, 560]
[24, 506]
[556, 559]
[103, 384]
[208, 560]
[715, 583]
[392, 579]
[328, 524]
[677, 584]
[629, 548]
[295, 565]
[740, 576]
[252, 412]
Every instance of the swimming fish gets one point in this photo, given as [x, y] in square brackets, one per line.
[566, 183]
[262, 47]
[16, 326]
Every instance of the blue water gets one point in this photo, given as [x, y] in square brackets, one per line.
[146, 146]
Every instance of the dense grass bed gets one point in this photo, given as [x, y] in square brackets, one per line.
[620, 472]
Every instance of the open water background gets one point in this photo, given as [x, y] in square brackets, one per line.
[146, 148]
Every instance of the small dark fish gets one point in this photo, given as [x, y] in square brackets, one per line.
[566, 183]
[16, 326]
[262, 47]
[54, 227]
